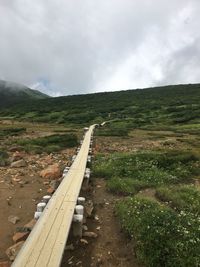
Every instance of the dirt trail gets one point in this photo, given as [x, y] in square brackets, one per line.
[111, 248]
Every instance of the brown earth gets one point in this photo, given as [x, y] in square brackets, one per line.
[22, 188]
[110, 248]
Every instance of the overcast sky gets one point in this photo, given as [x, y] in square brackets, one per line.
[66, 47]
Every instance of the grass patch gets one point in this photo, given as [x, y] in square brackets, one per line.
[162, 236]
[12, 131]
[127, 186]
[129, 172]
[186, 197]
[3, 158]
[50, 143]
[111, 131]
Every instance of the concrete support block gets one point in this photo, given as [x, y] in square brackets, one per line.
[37, 215]
[79, 209]
[41, 206]
[89, 159]
[81, 201]
[73, 157]
[46, 199]
[77, 225]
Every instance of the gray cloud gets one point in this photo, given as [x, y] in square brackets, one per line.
[69, 47]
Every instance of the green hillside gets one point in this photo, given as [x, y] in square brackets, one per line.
[152, 107]
[13, 93]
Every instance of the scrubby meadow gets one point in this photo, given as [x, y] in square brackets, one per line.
[155, 177]
[147, 153]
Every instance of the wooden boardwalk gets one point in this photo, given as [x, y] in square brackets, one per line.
[46, 243]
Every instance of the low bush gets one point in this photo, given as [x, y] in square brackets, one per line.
[50, 143]
[145, 169]
[3, 158]
[162, 236]
[124, 186]
[12, 131]
[112, 132]
[185, 197]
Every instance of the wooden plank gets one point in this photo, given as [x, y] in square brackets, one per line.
[46, 243]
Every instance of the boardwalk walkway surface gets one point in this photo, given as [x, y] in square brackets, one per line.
[46, 243]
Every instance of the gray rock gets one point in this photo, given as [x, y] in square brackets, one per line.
[69, 247]
[90, 234]
[54, 184]
[13, 219]
[18, 164]
[89, 207]
[12, 251]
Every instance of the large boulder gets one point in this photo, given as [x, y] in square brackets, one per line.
[52, 172]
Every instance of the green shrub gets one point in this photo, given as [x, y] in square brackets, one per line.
[145, 169]
[124, 186]
[50, 143]
[112, 132]
[12, 131]
[3, 158]
[185, 197]
[162, 236]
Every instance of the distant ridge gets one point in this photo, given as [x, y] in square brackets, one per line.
[166, 105]
[13, 93]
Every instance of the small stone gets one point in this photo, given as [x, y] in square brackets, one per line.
[23, 182]
[89, 208]
[50, 190]
[16, 156]
[12, 251]
[18, 164]
[98, 228]
[30, 224]
[69, 247]
[15, 179]
[84, 227]
[96, 217]
[90, 234]
[15, 148]
[83, 241]
[20, 236]
[54, 184]
[13, 219]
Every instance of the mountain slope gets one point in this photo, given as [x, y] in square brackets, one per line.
[151, 107]
[13, 93]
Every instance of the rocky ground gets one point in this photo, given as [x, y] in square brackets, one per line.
[24, 180]
[29, 177]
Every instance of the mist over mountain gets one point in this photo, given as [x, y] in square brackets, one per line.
[13, 93]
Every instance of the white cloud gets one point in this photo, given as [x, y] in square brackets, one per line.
[86, 46]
